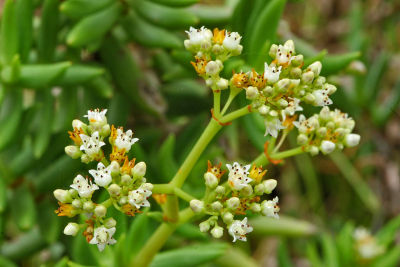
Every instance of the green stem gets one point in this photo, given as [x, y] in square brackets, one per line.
[236, 114]
[217, 102]
[262, 159]
[283, 137]
[212, 128]
[232, 95]
[107, 203]
[163, 189]
[105, 161]
[183, 195]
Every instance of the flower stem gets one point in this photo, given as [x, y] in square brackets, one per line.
[236, 114]
[212, 128]
[183, 195]
[283, 137]
[217, 102]
[262, 159]
[162, 189]
[232, 95]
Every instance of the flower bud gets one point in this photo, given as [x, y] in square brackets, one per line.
[319, 81]
[204, 226]
[71, 229]
[252, 92]
[126, 179]
[340, 132]
[307, 77]
[88, 206]
[216, 206]
[197, 205]
[263, 110]
[73, 151]
[77, 203]
[220, 190]
[296, 73]
[217, 231]
[139, 170]
[297, 61]
[209, 82]
[313, 150]
[147, 186]
[62, 195]
[105, 130]
[309, 98]
[233, 203]
[283, 85]
[212, 68]
[73, 193]
[268, 90]
[283, 103]
[227, 217]
[85, 158]
[327, 147]
[222, 83]
[322, 131]
[247, 190]
[123, 200]
[114, 190]
[211, 180]
[269, 185]
[273, 50]
[110, 223]
[273, 113]
[316, 68]
[330, 88]
[259, 189]
[255, 207]
[330, 125]
[217, 49]
[115, 168]
[79, 125]
[302, 139]
[100, 211]
[352, 140]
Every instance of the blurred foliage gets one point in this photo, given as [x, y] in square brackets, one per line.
[59, 59]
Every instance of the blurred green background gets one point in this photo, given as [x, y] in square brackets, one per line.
[60, 58]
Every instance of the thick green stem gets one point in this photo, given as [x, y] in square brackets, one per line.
[208, 134]
[183, 195]
[262, 159]
[217, 102]
[232, 95]
[236, 114]
[163, 189]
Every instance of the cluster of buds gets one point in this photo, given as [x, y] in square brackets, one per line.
[240, 193]
[366, 245]
[121, 178]
[326, 131]
[210, 50]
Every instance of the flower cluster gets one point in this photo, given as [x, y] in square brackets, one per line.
[365, 245]
[123, 179]
[210, 50]
[277, 93]
[326, 131]
[240, 193]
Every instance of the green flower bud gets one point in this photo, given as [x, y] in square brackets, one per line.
[352, 140]
[77, 203]
[105, 130]
[319, 82]
[327, 147]
[263, 110]
[220, 190]
[252, 92]
[73, 152]
[217, 231]
[204, 226]
[259, 189]
[227, 218]
[115, 168]
[321, 132]
[309, 98]
[255, 207]
[302, 139]
[269, 185]
[123, 200]
[211, 180]
[216, 206]
[86, 159]
[114, 190]
[126, 179]
[222, 83]
[313, 150]
[297, 61]
[197, 205]
[273, 50]
[283, 85]
[307, 77]
[88, 206]
[247, 190]
[110, 223]
[283, 103]
[73, 193]
[233, 203]
[62, 195]
[139, 170]
[100, 211]
[268, 90]
[315, 68]
[71, 229]
[296, 73]
[79, 125]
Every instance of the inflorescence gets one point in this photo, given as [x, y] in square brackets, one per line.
[119, 176]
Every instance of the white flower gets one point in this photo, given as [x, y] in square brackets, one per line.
[238, 178]
[102, 237]
[366, 245]
[327, 147]
[84, 187]
[239, 229]
[125, 140]
[232, 41]
[273, 126]
[322, 98]
[138, 197]
[102, 176]
[97, 116]
[293, 106]
[352, 139]
[283, 55]
[315, 67]
[198, 37]
[91, 144]
[271, 73]
[270, 208]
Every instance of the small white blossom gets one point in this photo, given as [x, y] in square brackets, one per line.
[232, 41]
[327, 147]
[285, 52]
[238, 175]
[352, 139]
[125, 140]
[293, 106]
[273, 126]
[138, 197]
[103, 236]
[91, 144]
[322, 98]
[271, 73]
[217, 231]
[270, 208]
[239, 229]
[71, 229]
[366, 244]
[84, 187]
[102, 176]
[315, 67]
[97, 116]
[198, 37]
